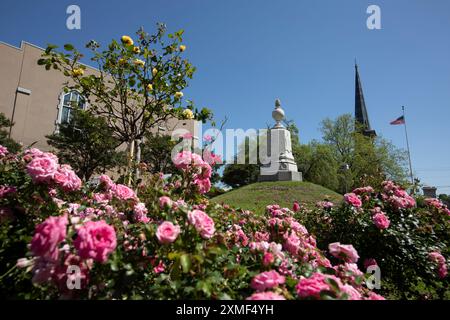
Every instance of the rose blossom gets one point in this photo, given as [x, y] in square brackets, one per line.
[369, 262]
[374, 296]
[167, 232]
[202, 223]
[47, 237]
[43, 168]
[165, 201]
[3, 151]
[344, 251]
[314, 285]
[267, 280]
[107, 182]
[351, 292]
[67, 178]
[296, 206]
[353, 200]
[140, 212]
[268, 295]
[95, 239]
[268, 259]
[381, 221]
[5, 190]
[124, 193]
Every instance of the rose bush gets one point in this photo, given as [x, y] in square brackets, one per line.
[164, 242]
[407, 238]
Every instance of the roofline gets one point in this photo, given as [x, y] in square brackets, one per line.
[23, 43]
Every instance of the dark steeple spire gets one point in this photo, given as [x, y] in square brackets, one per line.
[361, 116]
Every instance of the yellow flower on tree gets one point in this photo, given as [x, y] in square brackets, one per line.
[136, 50]
[149, 87]
[76, 72]
[178, 95]
[139, 62]
[127, 40]
[188, 114]
[154, 71]
[182, 47]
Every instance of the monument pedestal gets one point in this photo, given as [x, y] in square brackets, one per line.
[281, 164]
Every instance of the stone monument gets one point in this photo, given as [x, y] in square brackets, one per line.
[280, 165]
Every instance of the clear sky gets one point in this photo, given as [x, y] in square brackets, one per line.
[248, 53]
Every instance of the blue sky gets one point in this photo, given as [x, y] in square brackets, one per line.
[248, 53]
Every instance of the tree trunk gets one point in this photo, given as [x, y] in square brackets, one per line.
[130, 162]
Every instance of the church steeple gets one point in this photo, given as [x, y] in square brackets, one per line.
[361, 116]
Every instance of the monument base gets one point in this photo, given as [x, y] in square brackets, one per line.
[281, 176]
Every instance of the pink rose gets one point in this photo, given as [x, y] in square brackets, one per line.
[314, 285]
[374, 296]
[268, 295]
[353, 200]
[352, 293]
[6, 190]
[47, 236]
[3, 151]
[343, 251]
[43, 168]
[96, 240]
[140, 212]
[122, 192]
[296, 207]
[67, 179]
[203, 185]
[107, 182]
[167, 232]
[381, 221]
[267, 280]
[202, 223]
[160, 267]
[268, 259]
[370, 262]
[165, 202]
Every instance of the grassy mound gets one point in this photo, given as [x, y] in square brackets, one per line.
[257, 196]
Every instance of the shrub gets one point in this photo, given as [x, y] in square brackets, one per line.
[407, 239]
[101, 240]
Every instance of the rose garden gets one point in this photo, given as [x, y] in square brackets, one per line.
[150, 235]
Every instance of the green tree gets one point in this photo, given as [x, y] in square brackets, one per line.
[156, 153]
[317, 164]
[87, 144]
[363, 160]
[5, 140]
[138, 85]
[237, 174]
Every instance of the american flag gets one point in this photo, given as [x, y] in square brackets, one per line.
[399, 120]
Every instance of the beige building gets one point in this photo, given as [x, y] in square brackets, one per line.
[33, 98]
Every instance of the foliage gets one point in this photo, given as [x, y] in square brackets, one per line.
[156, 153]
[241, 172]
[87, 144]
[5, 140]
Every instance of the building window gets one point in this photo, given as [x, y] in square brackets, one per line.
[69, 101]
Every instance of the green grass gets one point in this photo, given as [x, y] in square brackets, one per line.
[257, 196]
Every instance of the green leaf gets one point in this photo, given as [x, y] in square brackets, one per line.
[185, 261]
[68, 47]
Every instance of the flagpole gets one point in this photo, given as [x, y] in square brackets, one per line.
[407, 145]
